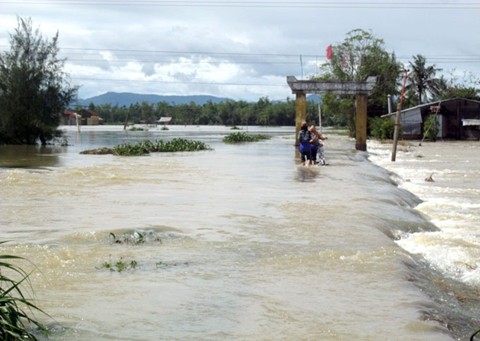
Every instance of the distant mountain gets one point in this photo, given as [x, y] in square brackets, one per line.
[127, 98]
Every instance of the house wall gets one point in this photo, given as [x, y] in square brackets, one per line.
[411, 123]
[93, 120]
[450, 119]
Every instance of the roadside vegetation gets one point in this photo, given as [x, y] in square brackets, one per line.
[381, 128]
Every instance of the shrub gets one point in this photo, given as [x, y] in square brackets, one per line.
[431, 127]
[382, 129]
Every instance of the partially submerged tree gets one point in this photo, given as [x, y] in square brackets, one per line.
[33, 87]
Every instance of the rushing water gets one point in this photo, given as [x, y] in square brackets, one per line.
[253, 246]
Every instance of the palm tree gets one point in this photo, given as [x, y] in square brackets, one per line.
[422, 79]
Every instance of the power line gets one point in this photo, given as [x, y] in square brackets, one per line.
[78, 54]
[268, 4]
[179, 82]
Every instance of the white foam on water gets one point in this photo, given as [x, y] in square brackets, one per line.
[450, 202]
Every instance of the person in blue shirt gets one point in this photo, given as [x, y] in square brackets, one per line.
[305, 144]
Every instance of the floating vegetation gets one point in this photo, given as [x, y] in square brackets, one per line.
[240, 137]
[165, 265]
[235, 128]
[145, 147]
[120, 265]
[98, 151]
[178, 145]
[135, 237]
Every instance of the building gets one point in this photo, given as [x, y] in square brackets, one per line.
[84, 117]
[71, 118]
[90, 117]
[164, 120]
[458, 118]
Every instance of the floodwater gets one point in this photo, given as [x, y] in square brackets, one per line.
[240, 242]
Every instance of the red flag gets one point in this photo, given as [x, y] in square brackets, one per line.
[329, 52]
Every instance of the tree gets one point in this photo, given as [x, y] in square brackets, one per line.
[33, 87]
[422, 82]
[459, 87]
[360, 55]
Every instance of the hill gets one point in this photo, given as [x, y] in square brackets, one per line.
[127, 98]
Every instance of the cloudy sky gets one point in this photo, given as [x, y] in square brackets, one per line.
[236, 49]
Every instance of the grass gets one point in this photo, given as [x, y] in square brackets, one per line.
[16, 311]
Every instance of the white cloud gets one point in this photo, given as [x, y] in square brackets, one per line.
[242, 52]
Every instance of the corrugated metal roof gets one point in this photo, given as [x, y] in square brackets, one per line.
[164, 119]
[432, 104]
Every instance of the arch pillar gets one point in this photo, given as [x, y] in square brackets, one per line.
[359, 89]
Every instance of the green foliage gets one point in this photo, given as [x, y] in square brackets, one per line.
[240, 137]
[130, 238]
[120, 265]
[15, 322]
[381, 128]
[179, 145]
[356, 57]
[127, 149]
[145, 147]
[337, 112]
[423, 84]
[360, 55]
[229, 113]
[431, 127]
[459, 86]
[457, 91]
[33, 88]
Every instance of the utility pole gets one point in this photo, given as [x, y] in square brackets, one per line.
[397, 118]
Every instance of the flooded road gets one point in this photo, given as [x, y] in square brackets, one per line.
[240, 243]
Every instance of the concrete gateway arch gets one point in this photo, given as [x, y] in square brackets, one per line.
[361, 90]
